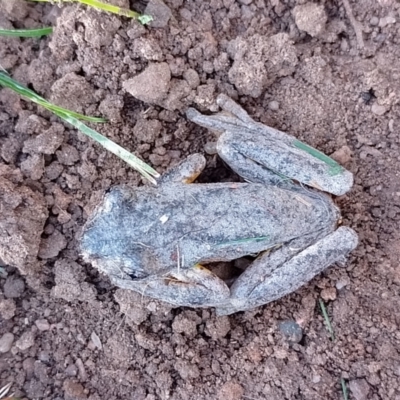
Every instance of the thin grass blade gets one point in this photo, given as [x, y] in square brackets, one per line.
[28, 33]
[10, 83]
[110, 8]
[327, 320]
[143, 19]
[148, 172]
[74, 119]
[335, 168]
[243, 241]
[344, 389]
[5, 389]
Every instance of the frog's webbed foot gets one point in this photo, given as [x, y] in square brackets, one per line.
[274, 275]
[265, 155]
[186, 171]
[193, 287]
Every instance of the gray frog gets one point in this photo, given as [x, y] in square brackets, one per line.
[155, 240]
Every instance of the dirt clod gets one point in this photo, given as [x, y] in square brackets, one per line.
[7, 308]
[186, 323]
[72, 91]
[259, 62]
[360, 389]
[291, 330]
[47, 142]
[152, 85]
[328, 294]
[311, 18]
[51, 246]
[218, 328]
[160, 12]
[342, 155]
[69, 282]
[230, 390]
[68, 155]
[14, 287]
[26, 340]
[23, 217]
[73, 390]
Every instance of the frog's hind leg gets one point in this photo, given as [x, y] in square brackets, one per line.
[272, 150]
[272, 276]
[193, 287]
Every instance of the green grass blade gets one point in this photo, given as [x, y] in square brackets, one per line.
[143, 168]
[5, 389]
[29, 33]
[74, 119]
[327, 320]
[110, 8]
[335, 168]
[10, 83]
[344, 389]
[243, 241]
[144, 19]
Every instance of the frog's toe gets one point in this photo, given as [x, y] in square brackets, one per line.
[227, 104]
[186, 171]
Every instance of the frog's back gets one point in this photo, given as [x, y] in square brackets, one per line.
[157, 228]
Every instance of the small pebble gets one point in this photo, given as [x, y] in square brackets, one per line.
[360, 389]
[160, 12]
[342, 155]
[378, 109]
[7, 308]
[6, 342]
[291, 330]
[273, 105]
[14, 287]
[328, 294]
[26, 340]
[71, 370]
[210, 148]
[96, 340]
[42, 324]
[388, 20]
[316, 379]
[374, 21]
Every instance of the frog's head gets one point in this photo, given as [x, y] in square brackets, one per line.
[103, 239]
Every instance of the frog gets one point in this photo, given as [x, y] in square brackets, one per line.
[160, 240]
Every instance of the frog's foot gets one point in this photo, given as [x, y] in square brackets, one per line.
[186, 171]
[193, 287]
[274, 275]
[257, 152]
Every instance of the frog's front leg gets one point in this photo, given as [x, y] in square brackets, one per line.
[265, 155]
[278, 273]
[192, 287]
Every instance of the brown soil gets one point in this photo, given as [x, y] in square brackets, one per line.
[65, 332]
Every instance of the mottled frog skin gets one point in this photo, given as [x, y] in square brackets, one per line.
[155, 240]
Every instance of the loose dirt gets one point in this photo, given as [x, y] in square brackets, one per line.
[298, 66]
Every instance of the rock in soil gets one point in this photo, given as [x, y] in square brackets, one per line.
[14, 287]
[6, 342]
[152, 85]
